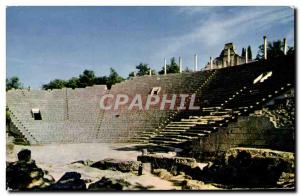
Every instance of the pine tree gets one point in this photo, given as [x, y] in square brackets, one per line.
[244, 53]
[249, 53]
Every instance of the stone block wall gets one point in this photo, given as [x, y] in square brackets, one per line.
[250, 131]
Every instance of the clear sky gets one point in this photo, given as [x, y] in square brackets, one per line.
[45, 43]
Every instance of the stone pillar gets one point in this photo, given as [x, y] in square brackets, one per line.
[165, 66]
[211, 63]
[265, 47]
[228, 57]
[180, 65]
[134, 74]
[246, 56]
[144, 151]
[284, 46]
[150, 72]
[196, 62]
[145, 169]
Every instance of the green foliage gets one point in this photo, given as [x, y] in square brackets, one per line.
[291, 51]
[153, 72]
[173, 67]
[87, 78]
[131, 74]
[249, 53]
[101, 80]
[113, 78]
[274, 49]
[243, 53]
[72, 83]
[55, 84]
[143, 69]
[13, 83]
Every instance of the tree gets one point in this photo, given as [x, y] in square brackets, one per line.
[101, 80]
[243, 53]
[153, 72]
[72, 83]
[55, 84]
[131, 74]
[87, 78]
[291, 51]
[249, 53]
[143, 69]
[113, 78]
[274, 49]
[13, 83]
[173, 67]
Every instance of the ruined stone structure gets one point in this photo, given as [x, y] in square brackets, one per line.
[227, 58]
[228, 99]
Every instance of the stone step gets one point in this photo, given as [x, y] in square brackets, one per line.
[208, 109]
[142, 138]
[197, 131]
[182, 123]
[168, 139]
[166, 143]
[174, 130]
[190, 120]
[207, 127]
[196, 134]
[184, 134]
[177, 137]
[220, 113]
[177, 127]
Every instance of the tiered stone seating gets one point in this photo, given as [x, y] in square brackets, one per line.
[230, 94]
[134, 125]
[68, 115]
[73, 115]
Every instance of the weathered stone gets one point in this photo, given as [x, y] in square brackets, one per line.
[162, 173]
[84, 162]
[246, 167]
[172, 164]
[70, 181]
[197, 185]
[146, 168]
[286, 180]
[24, 155]
[144, 152]
[25, 175]
[107, 184]
[112, 164]
[160, 161]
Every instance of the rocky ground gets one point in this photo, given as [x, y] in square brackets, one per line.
[102, 167]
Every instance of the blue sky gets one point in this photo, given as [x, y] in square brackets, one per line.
[45, 43]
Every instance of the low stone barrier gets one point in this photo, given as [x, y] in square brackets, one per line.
[173, 164]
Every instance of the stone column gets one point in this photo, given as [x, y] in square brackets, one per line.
[228, 57]
[150, 72]
[134, 74]
[211, 63]
[246, 56]
[180, 65]
[284, 46]
[165, 66]
[265, 47]
[196, 62]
